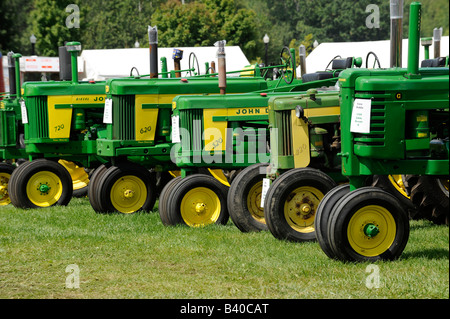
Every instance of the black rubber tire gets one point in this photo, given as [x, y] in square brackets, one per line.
[112, 175]
[162, 208]
[323, 213]
[278, 194]
[92, 186]
[431, 197]
[20, 177]
[345, 210]
[237, 201]
[6, 169]
[180, 190]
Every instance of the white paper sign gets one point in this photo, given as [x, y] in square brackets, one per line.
[361, 116]
[176, 138]
[265, 189]
[23, 109]
[107, 113]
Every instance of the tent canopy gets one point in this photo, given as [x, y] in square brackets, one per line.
[104, 64]
[319, 58]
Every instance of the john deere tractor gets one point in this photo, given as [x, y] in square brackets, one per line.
[229, 133]
[138, 141]
[61, 121]
[11, 128]
[393, 121]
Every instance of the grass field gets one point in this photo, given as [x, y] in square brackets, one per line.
[135, 256]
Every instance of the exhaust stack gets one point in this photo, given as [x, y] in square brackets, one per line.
[153, 45]
[437, 34]
[12, 74]
[302, 55]
[222, 69]
[396, 33]
[65, 71]
[177, 56]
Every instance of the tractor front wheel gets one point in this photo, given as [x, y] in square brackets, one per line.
[368, 224]
[197, 201]
[40, 183]
[125, 188]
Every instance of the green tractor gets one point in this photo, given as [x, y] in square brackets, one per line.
[60, 122]
[393, 121]
[138, 141]
[304, 166]
[229, 133]
[11, 130]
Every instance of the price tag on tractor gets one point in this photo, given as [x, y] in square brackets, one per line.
[265, 189]
[361, 116]
[107, 114]
[23, 110]
[176, 129]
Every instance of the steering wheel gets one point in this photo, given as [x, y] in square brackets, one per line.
[287, 68]
[192, 61]
[375, 61]
[131, 72]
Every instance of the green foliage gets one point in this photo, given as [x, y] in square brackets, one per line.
[203, 23]
[49, 25]
[119, 23]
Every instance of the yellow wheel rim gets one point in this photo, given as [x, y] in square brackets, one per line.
[371, 245]
[128, 194]
[300, 208]
[80, 178]
[4, 196]
[44, 189]
[200, 207]
[254, 202]
[397, 182]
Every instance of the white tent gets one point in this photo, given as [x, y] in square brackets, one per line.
[319, 58]
[114, 63]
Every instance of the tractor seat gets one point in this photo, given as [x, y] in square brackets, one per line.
[337, 64]
[320, 75]
[433, 63]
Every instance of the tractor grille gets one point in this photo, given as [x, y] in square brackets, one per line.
[284, 126]
[37, 117]
[191, 121]
[124, 117]
[387, 132]
[376, 137]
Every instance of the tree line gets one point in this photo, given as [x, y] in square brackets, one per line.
[106, 24]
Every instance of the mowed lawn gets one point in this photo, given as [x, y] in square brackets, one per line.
[44, 251]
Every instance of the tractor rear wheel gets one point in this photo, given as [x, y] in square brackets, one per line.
[431, 195]
[197, 200]
[125, 188]
[244, 199]
[79, 176]
[40, 183]
[291, 203]
[368, 224]
[5, 175]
